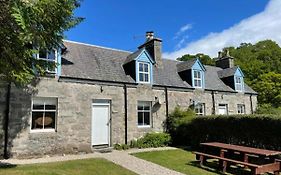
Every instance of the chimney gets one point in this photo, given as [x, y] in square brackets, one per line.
[224, 60]
[154, 48]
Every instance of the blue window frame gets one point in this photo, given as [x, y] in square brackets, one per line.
[51, 58]
[197, 78]
[144, 72]
[238, 83]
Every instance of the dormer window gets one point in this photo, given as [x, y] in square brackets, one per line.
[197, 78]
[51, 58]
[238, 83]
[144, 72]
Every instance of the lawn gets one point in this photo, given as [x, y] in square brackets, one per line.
[184, 162]
[77, 167]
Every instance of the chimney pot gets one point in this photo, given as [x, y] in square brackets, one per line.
[149, 35]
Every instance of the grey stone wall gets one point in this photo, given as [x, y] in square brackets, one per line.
[73, 133]
[3, 93]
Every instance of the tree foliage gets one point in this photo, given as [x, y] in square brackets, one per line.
[261, 64]
[204, 59]
[26, 24]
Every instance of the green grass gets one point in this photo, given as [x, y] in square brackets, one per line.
[75, 167]
[184, 162]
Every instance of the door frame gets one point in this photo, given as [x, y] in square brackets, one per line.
[101, 102]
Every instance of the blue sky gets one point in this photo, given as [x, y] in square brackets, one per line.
[185, 26]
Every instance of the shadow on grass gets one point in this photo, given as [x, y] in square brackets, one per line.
[213, 166]
[6, 165]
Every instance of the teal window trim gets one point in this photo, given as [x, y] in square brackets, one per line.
[144, 72]
[197, 78]
[144, 60]
[239, 83]
[56, 60]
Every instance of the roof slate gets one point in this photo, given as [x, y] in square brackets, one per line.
[105, 64]
[227, 72]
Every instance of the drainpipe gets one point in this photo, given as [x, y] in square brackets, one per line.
[126, 113]
[167, 102]
[213, 101]
[251, 103]
[6, 122]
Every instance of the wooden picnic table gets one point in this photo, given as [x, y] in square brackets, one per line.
[242, 149]
[226, 155]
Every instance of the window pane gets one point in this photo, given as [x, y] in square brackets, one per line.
[50, 107]
[38, 106]
[198, 74]
[146, 77]
[146, 118]
[52, 55]
[42, 54]
[140, 107]
[199, 83]
[146, 67]
[147, 107]
[140, 118]
[141, 67]
[141, 76]
[49, 120]
[37, 120]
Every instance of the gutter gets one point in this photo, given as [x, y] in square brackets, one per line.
[167, 102]
[214, 104]
[6, 122]
[126, 113]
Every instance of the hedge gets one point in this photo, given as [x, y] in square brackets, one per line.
[260, 131]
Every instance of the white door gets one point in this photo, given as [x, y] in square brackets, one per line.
[100, 123]
[222, 109]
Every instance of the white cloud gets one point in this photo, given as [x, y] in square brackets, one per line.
[264, 25]
[182, 30]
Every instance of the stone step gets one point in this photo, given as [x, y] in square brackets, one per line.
[102, 149]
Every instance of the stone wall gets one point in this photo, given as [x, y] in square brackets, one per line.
[3, 93]
[73, 127]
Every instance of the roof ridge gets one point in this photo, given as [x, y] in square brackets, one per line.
[92, 45]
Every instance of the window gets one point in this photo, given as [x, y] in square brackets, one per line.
[199, 109]
[144, 113]
[50, 57]
[144, 72]
[197, 79]
[223, 110]
[238, 84]
[241, 109]
[44, 112]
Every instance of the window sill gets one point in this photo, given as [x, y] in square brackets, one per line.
[144, 126]
[42, 130]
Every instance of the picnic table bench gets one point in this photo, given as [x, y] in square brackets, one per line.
[266, 158]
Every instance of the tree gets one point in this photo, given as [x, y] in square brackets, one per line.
[204, 59]
[269, 87]
[26, 25]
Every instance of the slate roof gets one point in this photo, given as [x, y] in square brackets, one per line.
[99, 63]
[185, 65]
[227, 72]
[133, 56]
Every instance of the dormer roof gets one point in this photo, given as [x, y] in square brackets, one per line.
[230, 72]
[134, 56]
[190, 64]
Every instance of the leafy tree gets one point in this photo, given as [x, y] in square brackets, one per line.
[204, 59]
[27, 24]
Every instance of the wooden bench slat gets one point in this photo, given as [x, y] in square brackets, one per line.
[228, 160]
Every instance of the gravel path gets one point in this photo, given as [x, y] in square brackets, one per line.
[122, 158]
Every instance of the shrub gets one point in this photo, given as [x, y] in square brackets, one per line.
[175, 125]
[121, 146]
[268, 109]
[152, 140]
[261, 131]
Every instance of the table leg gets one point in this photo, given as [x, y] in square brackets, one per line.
[246, 159]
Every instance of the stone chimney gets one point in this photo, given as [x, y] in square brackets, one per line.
[224, 60]
[154, 48]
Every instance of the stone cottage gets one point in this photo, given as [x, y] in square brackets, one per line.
[100, 96]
